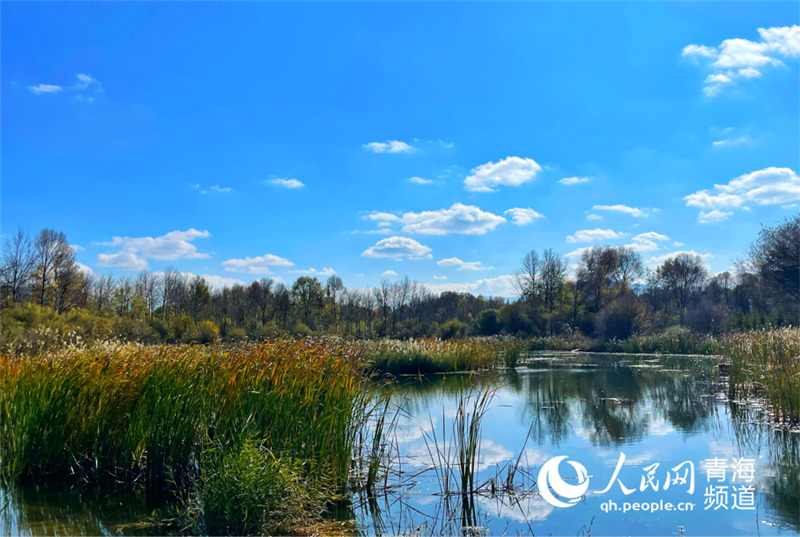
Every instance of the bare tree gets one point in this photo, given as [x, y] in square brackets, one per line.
[18, 263]
[682, 276]
[526, 278]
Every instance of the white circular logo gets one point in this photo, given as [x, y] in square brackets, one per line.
[549, 478]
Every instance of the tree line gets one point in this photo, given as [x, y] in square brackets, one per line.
[610, 295]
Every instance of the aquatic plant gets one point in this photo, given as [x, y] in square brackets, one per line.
[767, 362]
[424, 356]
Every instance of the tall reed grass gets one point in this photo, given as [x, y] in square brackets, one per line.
[425, 356]
[767, 362]
[135, 413]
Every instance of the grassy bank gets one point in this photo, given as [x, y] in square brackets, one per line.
[767, 363]
[259, 420]
[426, 356]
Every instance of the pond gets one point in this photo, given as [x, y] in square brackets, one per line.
[570, 444]
[667, 415]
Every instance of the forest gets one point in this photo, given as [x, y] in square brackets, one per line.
[49, 299]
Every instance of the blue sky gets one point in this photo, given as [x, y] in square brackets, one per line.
[253, 140]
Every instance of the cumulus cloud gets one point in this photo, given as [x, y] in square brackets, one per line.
[503, 286]
[286, 183]
[658, 260]
[647, 242]
[593, 217]
[462, 265]
[40, 89]
[440, 277]
[523, 217]
[633, 211]
[421, 181]
[738, 59]
[388, 273]
[511, 171]
[458, 219]
[216, 282]
[709, 217]
[595, 235]
[378, 216]
[327, 271]
[133, 252]
[569, 181]
[397, 248]
[770, 186]
[389, 146]
[256, 265]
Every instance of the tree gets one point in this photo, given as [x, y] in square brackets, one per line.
[775, 256]
[307, 295]
[17, 265]
[334, 287]
[682, 276]
[552, 277]
[52, 252]
[525, 278]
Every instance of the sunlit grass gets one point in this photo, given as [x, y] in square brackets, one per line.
[425, 356]
[769, 361]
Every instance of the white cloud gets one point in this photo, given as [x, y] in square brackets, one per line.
[221, 189]
[595, 235]
[658, 260]
[39, 89]
[578, 252]
[327, 271]
[503, 286]
[737, 59]
[388, 273]
[511, 171]
[382, 217]
[286, 183]
[218, 282]
[397, 248]
[85, 81]
[523, 217]
[440, 277]
[646, 242]
[256, 265]
[421, 181]
[731, 142]
[633, 211]
[569, 181]
[84, 269]
[462, 265]
[389, 146]
[702, 51]
[134, 251]
[708, 217]
[593, 217]
[770, 186]
[459, 219]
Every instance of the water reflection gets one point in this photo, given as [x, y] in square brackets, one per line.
[592, 407]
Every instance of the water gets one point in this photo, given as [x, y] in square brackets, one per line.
[589, 408]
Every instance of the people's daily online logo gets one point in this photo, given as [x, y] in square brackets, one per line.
[719, 493]
[549, 478]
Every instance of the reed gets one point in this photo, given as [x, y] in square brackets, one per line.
[136, 413]
[426, 356]
[767, 362]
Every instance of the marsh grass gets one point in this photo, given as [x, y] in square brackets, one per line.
[767, 363]
[427, 356]
[137, 414]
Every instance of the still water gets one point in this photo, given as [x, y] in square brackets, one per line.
[669, 416]
[666, 415]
